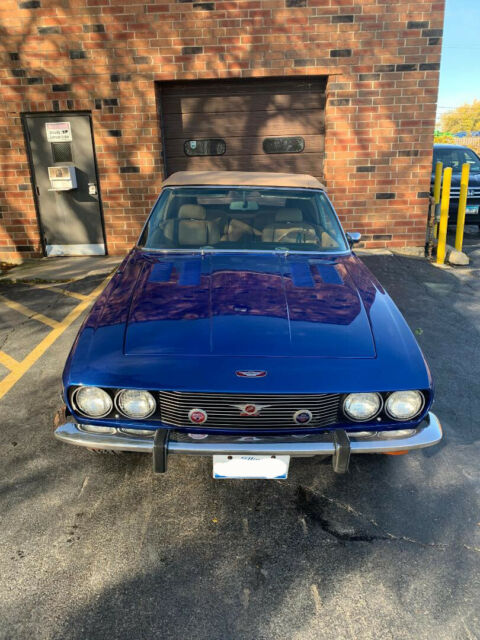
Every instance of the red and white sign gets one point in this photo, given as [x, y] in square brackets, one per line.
[58, 131]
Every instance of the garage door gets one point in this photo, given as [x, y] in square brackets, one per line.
[244, 125]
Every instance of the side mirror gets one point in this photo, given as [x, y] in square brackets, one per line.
[353, 237]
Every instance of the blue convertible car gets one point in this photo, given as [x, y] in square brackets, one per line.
[243, 327]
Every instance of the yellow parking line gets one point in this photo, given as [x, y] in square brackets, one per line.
[21, 308]
[14, 376]
[8, 361]
[65, 292]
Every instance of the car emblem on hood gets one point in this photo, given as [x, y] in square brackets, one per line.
[250, 409]
[251, 374]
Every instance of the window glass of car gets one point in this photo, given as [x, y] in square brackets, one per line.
[245, 218]
[455, 158]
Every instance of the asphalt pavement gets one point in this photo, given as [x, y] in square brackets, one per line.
[96, 546]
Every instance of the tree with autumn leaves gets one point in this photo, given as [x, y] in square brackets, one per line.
[464, 118]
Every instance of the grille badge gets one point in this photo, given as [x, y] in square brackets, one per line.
[250, 409]
[302, 416]
[197, 416]
[251, 374]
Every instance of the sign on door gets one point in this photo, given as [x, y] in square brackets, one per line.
[58, 131]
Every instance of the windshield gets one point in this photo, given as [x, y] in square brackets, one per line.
[455, 158]
[243, 218]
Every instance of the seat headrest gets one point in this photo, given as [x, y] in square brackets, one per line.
[192, 212]
[289, 215]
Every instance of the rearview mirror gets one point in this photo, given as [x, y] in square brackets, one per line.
[353, 237]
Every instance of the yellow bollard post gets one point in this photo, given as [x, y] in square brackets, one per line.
[436, 193]
[462, 206]
[444, 206]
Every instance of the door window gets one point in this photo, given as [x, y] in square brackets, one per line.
[62, 151]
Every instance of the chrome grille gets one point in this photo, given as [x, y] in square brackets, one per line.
[278, 412]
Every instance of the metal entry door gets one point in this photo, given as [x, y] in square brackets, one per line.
[66, 184]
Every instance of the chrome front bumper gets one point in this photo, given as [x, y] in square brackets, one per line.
[337, 444]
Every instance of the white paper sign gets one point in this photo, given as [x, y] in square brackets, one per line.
[58, 131]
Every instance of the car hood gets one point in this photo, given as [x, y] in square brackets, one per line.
[248, 304]
[190, 321]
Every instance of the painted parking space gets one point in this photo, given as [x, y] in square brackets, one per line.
[33, 316]
[3, 369]
[51, 305]
[18, 333]
[28, 312]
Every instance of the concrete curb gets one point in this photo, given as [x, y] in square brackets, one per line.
[61, 269]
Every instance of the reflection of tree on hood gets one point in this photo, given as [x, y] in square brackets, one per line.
[235, 292]
[252, 293]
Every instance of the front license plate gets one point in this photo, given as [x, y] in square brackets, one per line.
[471, 210]
[260, 467]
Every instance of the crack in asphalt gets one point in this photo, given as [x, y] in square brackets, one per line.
[312, 506]
[5, 339]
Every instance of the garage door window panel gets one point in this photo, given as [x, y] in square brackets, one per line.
[207, 147]
[295, 144]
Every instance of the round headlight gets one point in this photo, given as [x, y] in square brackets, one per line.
[93, 402]
[362, 406]
[404, 405]
[135, 404]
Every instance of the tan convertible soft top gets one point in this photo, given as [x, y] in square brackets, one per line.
[241, 179]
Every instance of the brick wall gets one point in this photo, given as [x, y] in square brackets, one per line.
[104, 56]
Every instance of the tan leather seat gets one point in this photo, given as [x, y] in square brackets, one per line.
[219, 217]
[191, 228]
[290, 228]
[238, 230]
